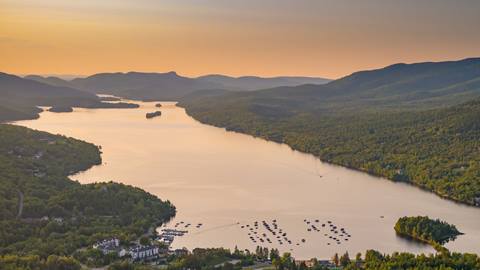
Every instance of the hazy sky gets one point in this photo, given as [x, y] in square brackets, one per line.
[329, 38]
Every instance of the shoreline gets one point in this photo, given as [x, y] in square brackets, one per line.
[463, 203]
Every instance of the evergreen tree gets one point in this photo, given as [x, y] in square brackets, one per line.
[345, 259]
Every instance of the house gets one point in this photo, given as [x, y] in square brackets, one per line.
[122, 253]
[58, 220]
[143, 252]
[38, 155]
[108, 245]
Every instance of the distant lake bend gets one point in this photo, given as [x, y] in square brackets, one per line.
[221, 178]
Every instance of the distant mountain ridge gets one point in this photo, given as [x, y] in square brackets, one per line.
[396, 87]
[55, 81]
[143, 86]
[412, 81]
[250, 83]
[170, 85]
[19, 98]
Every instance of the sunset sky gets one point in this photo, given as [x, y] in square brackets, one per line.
[328, 38]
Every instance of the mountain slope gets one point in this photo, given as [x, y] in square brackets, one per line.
[408, 83]
[55, 81]
[13, 87]
[20, 97]
[400, 86]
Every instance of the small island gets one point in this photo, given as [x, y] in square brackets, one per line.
[153, 114]
[60, 109]
[109, 98]
[115, 105]
[424, 229]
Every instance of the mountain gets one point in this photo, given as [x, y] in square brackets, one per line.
[417, 123]
[16, 88]
[249, 83]
[442, 83]
[20, 97]
[142, 86]
[397, 87]
[55, 81]
[168, 86]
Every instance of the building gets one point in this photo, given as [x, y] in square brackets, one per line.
[108, 245]
[58, 220]
[143, 252]
[122, 253]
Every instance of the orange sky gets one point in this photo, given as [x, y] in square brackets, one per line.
[328, 38]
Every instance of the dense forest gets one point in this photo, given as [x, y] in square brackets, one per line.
[44, 213]
[426, 230]
[221, 259]
[414, 123]
[374, 260]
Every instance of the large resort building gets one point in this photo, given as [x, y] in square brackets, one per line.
[143, 252]
[108, 246]
[136, 253]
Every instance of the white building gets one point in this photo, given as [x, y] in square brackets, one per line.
[108, 245]
[143, 252]
[123, 252]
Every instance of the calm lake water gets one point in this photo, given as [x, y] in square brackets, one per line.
[221, 178]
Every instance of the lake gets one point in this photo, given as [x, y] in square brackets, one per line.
[226, 181]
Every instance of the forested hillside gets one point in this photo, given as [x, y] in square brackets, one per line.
[434, 145]
[20, 97]
[42, 212]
